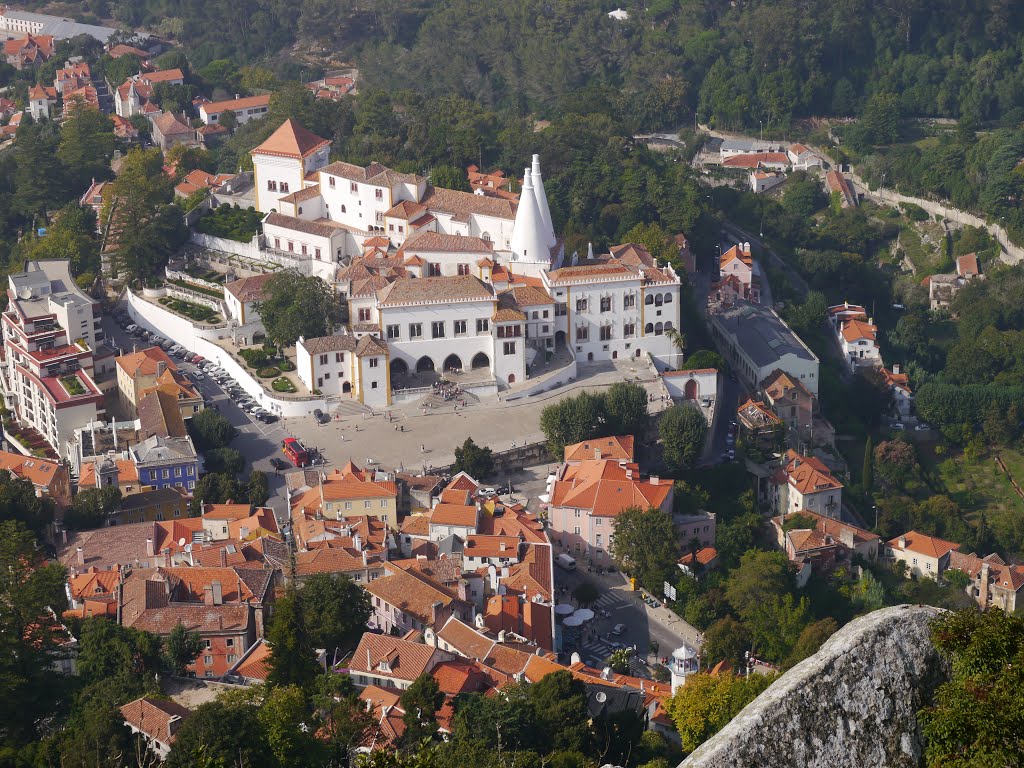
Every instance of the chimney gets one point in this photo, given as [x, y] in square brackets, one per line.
[903, 542]
[846, 537]
[81, 556]
[629, 474]
[161, 366]
[207, 594]
[655, 480]
[606, 673]
[357, 542]
[150, 551]
[983, 587]
[501, 636]
[462, 591]
[435, 611]
[365, 561]
[223, 557]
[597, 454]
[896, 368]
[218, 595]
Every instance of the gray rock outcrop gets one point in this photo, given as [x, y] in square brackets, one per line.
[851, 705]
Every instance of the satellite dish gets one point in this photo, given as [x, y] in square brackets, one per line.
[25, 293]
[181, 542]
[601, 697]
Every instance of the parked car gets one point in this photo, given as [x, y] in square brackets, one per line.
[922, 427]
[618, 629]
[899, 426]
[268, 418]
[279, 464]
[198, 376]
[321, 417]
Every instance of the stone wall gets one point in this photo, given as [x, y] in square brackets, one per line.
[853, 704]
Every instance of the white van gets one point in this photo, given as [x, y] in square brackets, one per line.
[566, 562]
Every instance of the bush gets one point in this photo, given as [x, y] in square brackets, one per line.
[283, 385]
[231, 223]
[915, 212]
[268, 373]
[286, 365]
[256, 358]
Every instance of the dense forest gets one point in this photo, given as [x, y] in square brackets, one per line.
[736, 63]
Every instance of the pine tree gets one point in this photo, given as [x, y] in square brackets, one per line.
[292, 661]
[867, 476]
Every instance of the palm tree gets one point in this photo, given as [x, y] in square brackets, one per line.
[678, 339]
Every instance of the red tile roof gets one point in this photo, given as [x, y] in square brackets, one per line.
[929, 546]
[617, 448]
[407, 660]
[157, 718]
[605, 489]
[291, 140]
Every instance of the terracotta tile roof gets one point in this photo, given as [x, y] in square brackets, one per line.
[633, 254]
[145, 362]
[411, 594]
[491, 546]
[899, 380]
[153, 717]
[506, 310]
[321, 344]
[756, 415]
[433, 290]
[406, 210]
[465, 640]
[300, 195]
[301, 225]
[162, 76]
[160, 414]
[967, 266]
[40, 472]
[532, 575]
[170, 125]
[374, 174]
[779, 383]
[705, 555]
[456, 677]
[464, 515]
[807, 474]
[929, 546]
[436, 242]
[848, 311]
[584, 272]
[530, 296]
[855, 330]
[416, 525]
[42, 92]
[507, 660]
[291, 140]
[406, 660]
[331, 560]
[603, 488]
[248, 288]
[175, 384]
[512, 521]
[462, 205]
[618, 448]
[93, 583]
[256, 666]
[121, 49]
[371, 345]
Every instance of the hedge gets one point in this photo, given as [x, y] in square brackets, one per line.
[267, 373]
[283, 385]
[286, 365]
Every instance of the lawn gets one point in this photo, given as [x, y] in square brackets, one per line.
[195, 312]
[233, 223]
[980, 486]
[73, 386]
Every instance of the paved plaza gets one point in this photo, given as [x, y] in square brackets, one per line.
[415, 437]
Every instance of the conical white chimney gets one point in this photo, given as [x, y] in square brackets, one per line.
[542, 202]
[528, 240]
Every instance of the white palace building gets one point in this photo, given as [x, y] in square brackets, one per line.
[440, 280]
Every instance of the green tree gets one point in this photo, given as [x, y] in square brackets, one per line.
[704, 358]
[29, 638]
[227, 461]
[292, 661]
[682, 430]
[560, 702]
[142, 227]
[661, 245]
[867, 477]
[294, 305]
[86, 146]
[645, 546]
[257, 490]
[705, 704]
[92, 508]
[571, 420]
[215, 488]
[449, 177]
[342, 720]
[224, 732]
[811, 639]
[181, 649]
[19, 503]
[229, 120]
[71, 236]
[335, 609]
[726, 639]
[210, 429]
[124, 659]
[975, 719]
[586, 592]
[283, 717]
[474, 460]
[760, 575]
[420, 701]
[38, 176]
[882, 118]
[625, 409]
[896, 462]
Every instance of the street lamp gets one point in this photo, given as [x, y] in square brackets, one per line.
[875, 507]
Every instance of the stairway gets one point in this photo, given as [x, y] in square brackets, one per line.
[346, 406]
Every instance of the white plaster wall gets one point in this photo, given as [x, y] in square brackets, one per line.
[707, 384]
[438, 349]
[280, 169]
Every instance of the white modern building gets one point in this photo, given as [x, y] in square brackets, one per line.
[50, 329]
[245, 108]
[15, 23]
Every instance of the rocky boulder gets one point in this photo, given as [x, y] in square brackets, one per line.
[853, 704]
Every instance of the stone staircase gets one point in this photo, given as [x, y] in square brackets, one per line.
[346, 406]
[435, 400]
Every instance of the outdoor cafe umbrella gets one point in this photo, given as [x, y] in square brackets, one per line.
[564, 609]
[572, 621]
[584, 614]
